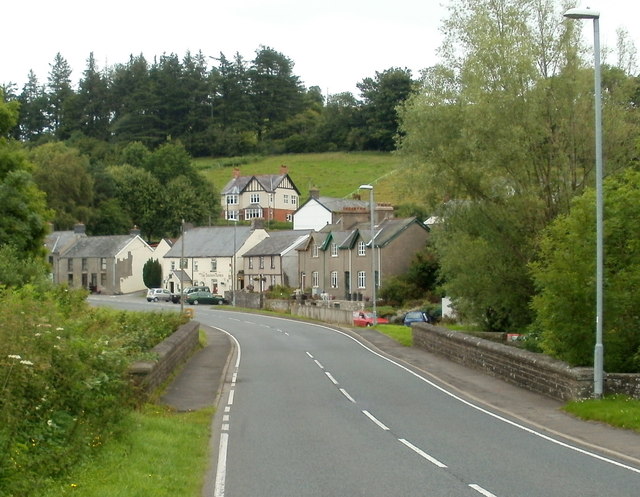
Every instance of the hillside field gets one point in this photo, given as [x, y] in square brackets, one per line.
[336, 174]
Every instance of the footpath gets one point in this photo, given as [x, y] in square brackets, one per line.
[201, 380]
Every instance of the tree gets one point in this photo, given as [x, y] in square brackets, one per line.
[91, 103]
[565, 277]
[381, 97]
[24, 213]
[63, 174]
[33, 105]
[59, 92]
[152, 274]
[498, 139]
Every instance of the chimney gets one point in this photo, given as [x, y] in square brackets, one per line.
[314, 193]
[79, 229]
[284, 170]
[236, 172]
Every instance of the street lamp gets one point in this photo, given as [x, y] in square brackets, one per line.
[373, 252]
[598, 352]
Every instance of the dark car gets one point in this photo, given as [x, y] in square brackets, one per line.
[416, 317]
[195, 298]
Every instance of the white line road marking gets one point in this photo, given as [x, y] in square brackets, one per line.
[422, 453]
[335, 382]
[225, 418]
[481, 490]
[231, 395]
[344, 392]
[376, 421]
[225, 427]
[227, 408]
[234, 378]
[287, 334]
[221, 471]
[318, 363]
[310, 356]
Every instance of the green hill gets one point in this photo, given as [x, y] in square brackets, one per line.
[336, 174]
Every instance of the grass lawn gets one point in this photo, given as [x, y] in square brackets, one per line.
[618, 410]
[162, 453]
[400, 333]
[336, 174]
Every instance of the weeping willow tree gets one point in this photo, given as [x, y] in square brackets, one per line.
[500, 138]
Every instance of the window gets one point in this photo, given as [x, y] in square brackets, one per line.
[252, 213]
[314, 250]
[294, 199]
[195, 265]
[315, 279]
[289, 218]
[70, 279]
[285, 199]
[184, 263]
[214, 265]
[362, 279]
[261, 262]
[250, 262]
[103, 279]
[232, 215]
[273, 262]
[334, 279]
[84, 263]
[173, 265]
[362, 248]
[334, 250]
[254, 198]
[103, 263]
[232, 199]
[69, 264]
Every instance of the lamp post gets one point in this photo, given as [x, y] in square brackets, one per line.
[373, 252]
[598, 352]
[181, 273]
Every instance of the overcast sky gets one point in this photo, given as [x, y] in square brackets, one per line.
[334, 44]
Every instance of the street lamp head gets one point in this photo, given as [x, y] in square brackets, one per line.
[582, 14]
[365, 187]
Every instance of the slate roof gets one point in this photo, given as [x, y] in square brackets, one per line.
[279, 242]
[333, 204]
[98, 246]
[387, 230]
[59, 240]
[214, 241]
[269, 183]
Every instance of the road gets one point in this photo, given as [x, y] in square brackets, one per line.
[310, 411]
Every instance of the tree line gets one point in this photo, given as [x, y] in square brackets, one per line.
[235, 107]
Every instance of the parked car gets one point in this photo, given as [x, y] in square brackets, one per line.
[416, 317]
[191, 289]
[195, 298]
[156, 294]
[366, 319]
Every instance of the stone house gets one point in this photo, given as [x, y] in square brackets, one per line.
[105, 264]
[338, 263]
[273, 261]
[56, 243]
[273, 197]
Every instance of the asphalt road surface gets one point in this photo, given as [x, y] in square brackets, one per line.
[310, 411]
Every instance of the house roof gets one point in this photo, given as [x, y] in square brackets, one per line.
[269, 183]
[387, 230]
[279, 243]
[57, 241]
[333, 204]
[99, 246]
[213, 241]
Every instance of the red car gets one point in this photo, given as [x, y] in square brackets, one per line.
[366, 319]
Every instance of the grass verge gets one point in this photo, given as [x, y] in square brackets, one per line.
[400, 333]
[160, 453]
[617, 410]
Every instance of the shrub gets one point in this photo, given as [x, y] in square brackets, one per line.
[63, 383]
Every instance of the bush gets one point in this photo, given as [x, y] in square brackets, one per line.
[63, 383]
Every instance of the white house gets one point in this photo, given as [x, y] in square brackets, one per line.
[211, 256]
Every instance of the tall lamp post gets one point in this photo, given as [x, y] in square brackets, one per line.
[599, 351]
[373, 252]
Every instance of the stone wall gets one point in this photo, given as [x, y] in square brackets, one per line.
[535, 372]
[323, 313]
[171, 353]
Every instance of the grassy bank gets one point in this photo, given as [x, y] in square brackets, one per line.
[162, 454]
[618, 411]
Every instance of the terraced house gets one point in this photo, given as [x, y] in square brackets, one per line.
[338, 263]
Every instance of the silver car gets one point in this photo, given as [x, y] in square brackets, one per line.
[156, 294]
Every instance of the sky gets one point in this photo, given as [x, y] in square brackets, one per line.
[334, 44]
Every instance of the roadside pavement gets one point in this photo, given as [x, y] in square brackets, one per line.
[200, 382]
